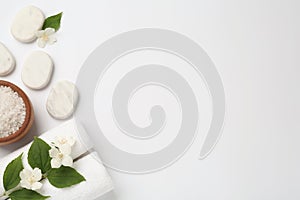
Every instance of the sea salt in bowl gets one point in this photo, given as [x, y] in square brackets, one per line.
[16, 120]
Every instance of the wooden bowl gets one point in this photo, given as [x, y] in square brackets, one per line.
[29, 118]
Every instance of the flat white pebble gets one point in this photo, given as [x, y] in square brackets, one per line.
[37, 70]
[7, 61]
[62, 100]
[26, 23]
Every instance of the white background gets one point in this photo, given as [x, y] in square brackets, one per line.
[255, 46]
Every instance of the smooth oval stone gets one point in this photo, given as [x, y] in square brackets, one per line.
[26, 23]
[37, 70]
[7, 61]
[62, 100]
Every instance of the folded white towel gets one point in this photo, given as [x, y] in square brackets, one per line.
[98, 181]
[69, 128]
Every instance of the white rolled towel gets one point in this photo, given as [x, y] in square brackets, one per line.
[67, 129]
[89, 166]
[97, 183]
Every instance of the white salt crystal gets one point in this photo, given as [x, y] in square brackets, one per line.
[12, 111]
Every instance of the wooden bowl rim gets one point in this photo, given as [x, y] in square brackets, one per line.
[28, 111]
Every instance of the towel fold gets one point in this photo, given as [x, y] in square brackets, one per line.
[98, 181]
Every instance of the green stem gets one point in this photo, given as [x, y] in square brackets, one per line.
[7, 193]
[44, 176]
[4, 194]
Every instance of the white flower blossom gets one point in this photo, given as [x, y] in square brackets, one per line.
[61, 156]
[62, 140]
[45, 37]
[30, 179]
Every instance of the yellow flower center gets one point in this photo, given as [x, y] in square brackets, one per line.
[45, 37]
[63, 141]
[60, 155]
[31, 180]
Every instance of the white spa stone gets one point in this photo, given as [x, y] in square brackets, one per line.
[37, 70]
[7, 61]
[26, 23]
[62, 100]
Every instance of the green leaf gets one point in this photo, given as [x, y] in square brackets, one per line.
[53, 22]
[64, 177]
[38, 155]
[11, 177]
[25, 194]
